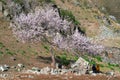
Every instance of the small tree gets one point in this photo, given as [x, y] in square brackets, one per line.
[47, 22]
[35, 25]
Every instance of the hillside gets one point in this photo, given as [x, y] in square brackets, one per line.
[92, 19]
[95, 26]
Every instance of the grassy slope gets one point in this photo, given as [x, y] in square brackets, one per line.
[27, 52]
[90, 24]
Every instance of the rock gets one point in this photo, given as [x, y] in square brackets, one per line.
[6, 12]
[33, 72]
[6, 66]
[112, 17]
[18, 70]
[80, 65]
[90, 72]
[3, 75]
[110, 73]
[13, 67]
[30, 76]
[52, 72]
[36, 69]
[21, 65]
[93, 74]
[45, 70]
[64, 71]
[2, 68]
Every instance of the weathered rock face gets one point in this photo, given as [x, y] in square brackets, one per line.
[80, 65]
[14, 8]
[112, 55]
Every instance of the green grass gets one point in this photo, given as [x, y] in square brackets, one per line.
[1, 45]
[22, 52]
[62, 1]
[65, 14]
[86, 58]
[1, 52]
[99, 59]
[47, 1]
[9, 52]
[64, 60]
[113, 65]
[91, 62]
[47, 48]
[101, 65]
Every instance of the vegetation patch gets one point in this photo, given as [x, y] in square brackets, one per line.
[69, 16]
[99, 59]
[64, 60]
[1, 45]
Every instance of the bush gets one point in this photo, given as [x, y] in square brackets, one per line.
[69, 16]
[64, 60]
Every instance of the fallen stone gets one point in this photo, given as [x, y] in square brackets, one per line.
[2, 68]
[35, 69]
[3, 75]
[45, 70]
[13, 67]
[6, 66]
[21, 65]
[18, 70]
[30, 76]
[64, 71]
[53, 72]
[93, 74]
[80, 65]
[6, 13]
[110, 73]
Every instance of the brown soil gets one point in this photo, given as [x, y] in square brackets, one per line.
[60, 77]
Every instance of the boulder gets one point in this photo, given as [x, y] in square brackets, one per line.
[2, 68]
[80, 66]
[36, 69]
[6, 13]
[7, 66]
[110, 73]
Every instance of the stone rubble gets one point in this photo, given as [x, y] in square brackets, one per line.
[78, 68]
[3, 68]
[20, 65]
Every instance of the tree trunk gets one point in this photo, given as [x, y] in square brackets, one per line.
[53, 58]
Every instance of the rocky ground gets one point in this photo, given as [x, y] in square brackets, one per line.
[76, 72]
[23, 76]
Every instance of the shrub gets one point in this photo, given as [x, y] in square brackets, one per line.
[69, 16]
[64, 60]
